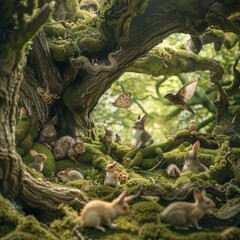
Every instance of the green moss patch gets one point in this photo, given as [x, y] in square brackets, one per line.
[49, 165]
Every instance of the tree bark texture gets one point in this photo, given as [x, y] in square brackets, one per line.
[81, 69]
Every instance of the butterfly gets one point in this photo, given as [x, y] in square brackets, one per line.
[123, 101]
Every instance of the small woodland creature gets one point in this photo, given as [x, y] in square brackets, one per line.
[123, 101]
[191, 160]
[173, 171]
[192, 126]
[91, 6]
[111, 178]
[181, 97]
[47, 96]
[180, 214]
[143, 138]
[69, 175]
[77, 149]
[123, 178]
[118, 139]
[108, 138]
[48, 134]
[67, 146]
[23, 111]
[39, 159]
[230, 233]
[127, 162]
[97, 213]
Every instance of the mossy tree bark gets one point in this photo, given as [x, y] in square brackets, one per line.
[72, 58]
[60, 66]
[15, 181]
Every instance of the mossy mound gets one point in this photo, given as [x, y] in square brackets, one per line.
[105, 193]
[34, 230]
[49, 165]
[145, 212]
[23, 128]
[9, 216]
[67, 163]
[150, 231]
[76, 183]
[119, 151]
[18, 226]
[222, 170]
[94, 153]
[64, 226]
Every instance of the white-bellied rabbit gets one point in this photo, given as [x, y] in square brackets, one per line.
[143, 138]
[39, 159]
[191, 160]
[181, 214]
[111, 178]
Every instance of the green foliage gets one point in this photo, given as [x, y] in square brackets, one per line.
[164, 119]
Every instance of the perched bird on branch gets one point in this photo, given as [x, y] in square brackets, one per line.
[181, 97]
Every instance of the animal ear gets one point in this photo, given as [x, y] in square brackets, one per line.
[131, 197]
[81, 138]
[204, 193]
[68, 170]
[198, 195]
[196, 146]
[33, 153]
[122, 196]
[115, 163]
[54, 120]
[144, 118]
[139, 117]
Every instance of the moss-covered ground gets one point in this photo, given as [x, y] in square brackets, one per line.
[144, 221]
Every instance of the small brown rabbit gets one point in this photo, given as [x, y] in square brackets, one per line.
[108, 138]
[143, 138]
[173, 171]
[127, 162]
[111, 178]
[191, 160]
[123, 178]
[67, 146]
[180, 214]
[69, 175]
[118, 139]
[61, 147]
[48, 134]
[192, 126]
[39, 159]
[97, 213]
[76, 149]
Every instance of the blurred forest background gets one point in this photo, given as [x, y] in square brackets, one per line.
[148, 91]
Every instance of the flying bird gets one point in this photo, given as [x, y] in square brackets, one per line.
[181, 97]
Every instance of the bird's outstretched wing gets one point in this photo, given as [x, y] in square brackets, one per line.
[187, 90]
